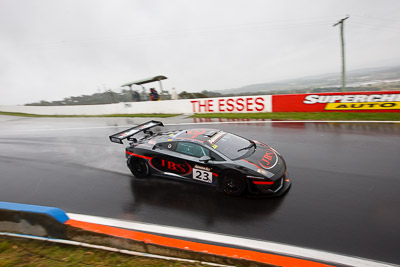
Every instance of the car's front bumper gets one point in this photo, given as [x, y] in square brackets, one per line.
[279, 187]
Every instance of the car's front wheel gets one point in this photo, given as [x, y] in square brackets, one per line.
[139, 167]
[233, 183]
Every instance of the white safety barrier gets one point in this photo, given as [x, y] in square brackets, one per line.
[185, 106]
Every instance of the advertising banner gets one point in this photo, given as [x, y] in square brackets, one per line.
[373, 101]
[246, 104]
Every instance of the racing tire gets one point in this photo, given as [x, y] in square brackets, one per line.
[139, 167]
[233, 183]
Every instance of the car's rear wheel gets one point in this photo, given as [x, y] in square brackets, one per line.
[139, 167]
[233, 183]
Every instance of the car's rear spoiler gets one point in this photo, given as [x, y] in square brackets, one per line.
[118, 137]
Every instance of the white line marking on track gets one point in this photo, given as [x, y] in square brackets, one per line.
[259, 245]
[191, 123]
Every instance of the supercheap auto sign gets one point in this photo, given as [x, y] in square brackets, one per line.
[377, 101]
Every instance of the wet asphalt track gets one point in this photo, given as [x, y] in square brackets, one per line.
[345, 196]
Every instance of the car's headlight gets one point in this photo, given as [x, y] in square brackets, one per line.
[265, 173]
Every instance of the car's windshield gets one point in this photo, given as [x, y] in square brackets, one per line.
[229, 144]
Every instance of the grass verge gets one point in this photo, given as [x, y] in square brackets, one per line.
[27, 252]
[347, 116]
[88, 116]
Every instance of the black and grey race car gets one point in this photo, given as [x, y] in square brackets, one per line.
[232, 163]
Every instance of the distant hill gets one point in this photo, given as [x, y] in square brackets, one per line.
[357, 78]
[371, 79]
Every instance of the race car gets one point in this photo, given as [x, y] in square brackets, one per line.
[233, 164]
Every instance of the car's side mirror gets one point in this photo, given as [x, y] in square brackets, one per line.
[156, 146]
[205, 159]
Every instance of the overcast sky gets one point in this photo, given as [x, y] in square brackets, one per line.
[52, 49]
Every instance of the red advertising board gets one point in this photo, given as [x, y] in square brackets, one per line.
[373, 101]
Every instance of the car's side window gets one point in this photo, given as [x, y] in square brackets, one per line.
[192, 149]
[216, 157]
[168, 145]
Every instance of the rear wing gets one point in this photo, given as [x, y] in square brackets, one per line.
[118, 137]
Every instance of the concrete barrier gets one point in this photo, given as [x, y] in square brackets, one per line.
[33, 220]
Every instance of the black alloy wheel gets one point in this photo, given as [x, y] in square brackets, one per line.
[233, 184]
[139, 167]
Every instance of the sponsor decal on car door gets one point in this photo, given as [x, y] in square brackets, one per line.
[171, 164]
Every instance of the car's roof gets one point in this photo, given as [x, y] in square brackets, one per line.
[199, 135]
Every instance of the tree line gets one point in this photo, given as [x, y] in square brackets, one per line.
[109, 96]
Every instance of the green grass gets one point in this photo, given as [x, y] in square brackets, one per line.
[348, 116]
[26, 252]
[88, 116]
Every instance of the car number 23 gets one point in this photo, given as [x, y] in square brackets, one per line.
[203, 176]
